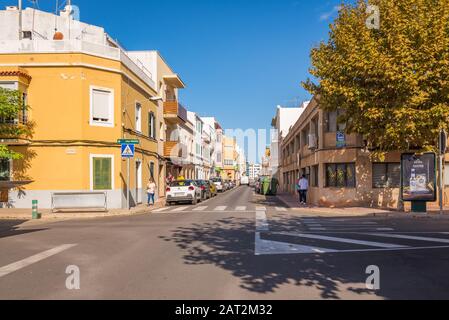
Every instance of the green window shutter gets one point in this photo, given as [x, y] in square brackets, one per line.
[102, 174]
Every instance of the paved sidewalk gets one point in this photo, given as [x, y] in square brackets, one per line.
[293, 203]
[47, 215]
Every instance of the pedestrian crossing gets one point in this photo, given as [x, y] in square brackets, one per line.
[343, 225]
[276, 243]
[318, 235]
[219, 209]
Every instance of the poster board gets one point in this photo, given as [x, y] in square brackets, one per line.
[418, 177]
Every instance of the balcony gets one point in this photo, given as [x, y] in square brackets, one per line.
[176, 152]
[174, 112]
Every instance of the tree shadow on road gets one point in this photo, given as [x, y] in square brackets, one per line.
[9, 228]
[229, 243]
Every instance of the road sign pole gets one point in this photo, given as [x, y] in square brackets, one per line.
[442, 147]
[441, 182]
[128, 189]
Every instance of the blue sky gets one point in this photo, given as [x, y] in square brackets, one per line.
[239, 58]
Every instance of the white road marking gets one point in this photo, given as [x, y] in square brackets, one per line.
[267, 247]
[161, 210]
[397, 236]
[179, 209]
[261, 209]
[202, 208]
[33, 259]
[344, 224]
[281, 209]
[317, 229]
[242, 208]
[344, 240]
[261, 221]
[220, 208]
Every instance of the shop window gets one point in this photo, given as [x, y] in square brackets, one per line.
[386, 175]
[341, 175]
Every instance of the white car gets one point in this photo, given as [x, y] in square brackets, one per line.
[219, 184]
[183, 191]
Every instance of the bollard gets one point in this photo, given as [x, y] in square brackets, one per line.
[36, 214]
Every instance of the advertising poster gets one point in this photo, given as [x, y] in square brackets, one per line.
[418, 177]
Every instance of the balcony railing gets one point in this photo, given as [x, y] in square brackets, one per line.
[173, 110]
[73, 46]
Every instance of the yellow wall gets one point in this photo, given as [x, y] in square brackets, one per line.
[58, 157]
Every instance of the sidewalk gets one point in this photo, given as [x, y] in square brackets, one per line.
[47, 215]
[292, 202]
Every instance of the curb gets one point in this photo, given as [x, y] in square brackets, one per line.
[49, 217]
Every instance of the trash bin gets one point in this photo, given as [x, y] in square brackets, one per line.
[274, 187]
[266, 186]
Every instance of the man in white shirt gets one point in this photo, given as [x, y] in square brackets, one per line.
[303, 188]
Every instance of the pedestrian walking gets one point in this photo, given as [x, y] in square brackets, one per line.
[303, 188]
[151, 191]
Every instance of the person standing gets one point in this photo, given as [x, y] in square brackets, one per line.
[151, 191]
[303, 188]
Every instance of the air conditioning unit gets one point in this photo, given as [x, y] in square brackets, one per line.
[312, 141]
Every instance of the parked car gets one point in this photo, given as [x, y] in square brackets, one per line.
[218, 182]
[205, 189]
[183, 191]
[252, 183]
[257, 186]
[213, 189]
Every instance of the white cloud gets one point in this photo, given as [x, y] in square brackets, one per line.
[326, 15]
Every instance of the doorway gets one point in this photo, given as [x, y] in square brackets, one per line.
[138, 181]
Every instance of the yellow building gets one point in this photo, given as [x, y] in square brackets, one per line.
[229, 158]
[84, 95]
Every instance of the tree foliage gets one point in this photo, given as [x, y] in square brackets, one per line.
[11, 126]
[391, 83]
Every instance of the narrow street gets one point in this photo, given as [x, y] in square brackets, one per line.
[236, 246]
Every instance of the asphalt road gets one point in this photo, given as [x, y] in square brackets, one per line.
[236, 246]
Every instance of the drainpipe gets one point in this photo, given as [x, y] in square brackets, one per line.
[20, 20]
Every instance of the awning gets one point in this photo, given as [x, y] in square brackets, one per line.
[175, 81]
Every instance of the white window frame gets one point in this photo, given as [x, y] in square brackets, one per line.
[16, 84]
[110, 123]
[91, 163]
[138, 116]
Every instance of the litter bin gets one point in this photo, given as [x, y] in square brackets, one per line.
[266, 186]
[273, 186]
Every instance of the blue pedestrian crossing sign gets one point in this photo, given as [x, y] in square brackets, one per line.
[128, 150]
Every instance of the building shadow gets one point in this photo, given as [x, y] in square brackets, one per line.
[10, 228]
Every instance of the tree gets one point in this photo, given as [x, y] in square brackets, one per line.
[392, 83]
[12, 122]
